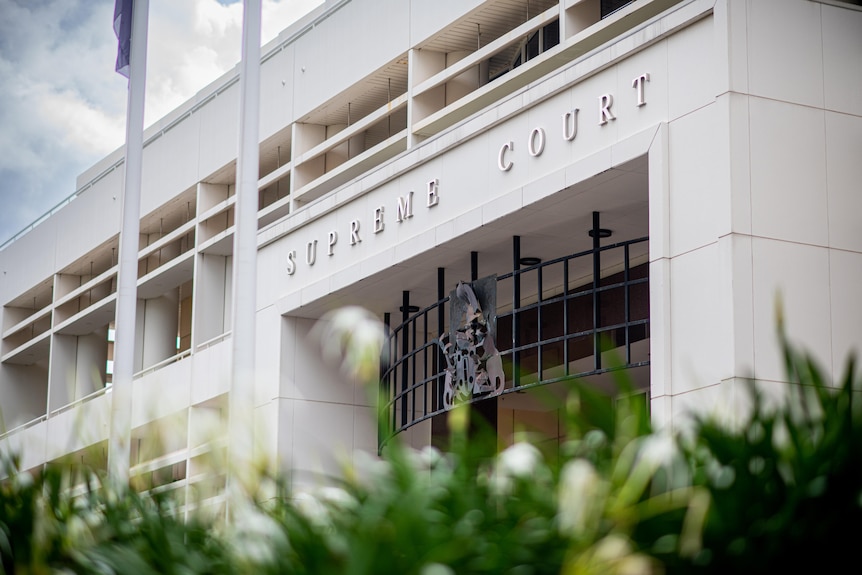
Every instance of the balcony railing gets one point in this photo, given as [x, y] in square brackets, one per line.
[556, 334]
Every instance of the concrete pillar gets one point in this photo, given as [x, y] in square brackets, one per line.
[209, 298]
[422, 65]
[343, 152]
[579, 15]
[467, 81]
[163, 255]
[305, 137]
[91, 362]
[62, 374]
[160, 328]
[330, 400]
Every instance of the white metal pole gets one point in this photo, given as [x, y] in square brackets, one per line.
[241, 421]
[127, 274]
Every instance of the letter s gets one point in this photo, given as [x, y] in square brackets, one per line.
[291, 262]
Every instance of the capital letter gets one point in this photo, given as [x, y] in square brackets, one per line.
[501, 158]
[291, 262]
[433, 193]
[605, 114]
[311, 252]
[533, 148]
[638, 84]
[570, 124]
[333, 237]
[378, 220]
[405, 207]
[354, 233]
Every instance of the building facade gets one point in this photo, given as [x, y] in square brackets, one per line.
[524, 191]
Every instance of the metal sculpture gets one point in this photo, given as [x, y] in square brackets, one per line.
[473, 364]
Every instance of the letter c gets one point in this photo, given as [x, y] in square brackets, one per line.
[504, 165]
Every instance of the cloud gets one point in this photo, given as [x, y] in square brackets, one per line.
[194, 42]
[62, 106]
[58, 110]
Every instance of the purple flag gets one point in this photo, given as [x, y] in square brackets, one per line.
[123, 30]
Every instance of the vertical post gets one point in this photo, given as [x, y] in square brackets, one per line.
[566, 315]
[516, 305]
[439, 423]
[405, 350]
[414, 361]
[241, 420]
[626, 304]
[439, 360]
[597, 273]
[384, 419]
[427, 368]
[127, 274]
[540, 356]
[474, 266]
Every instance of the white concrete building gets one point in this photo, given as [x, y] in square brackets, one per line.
[410, 145]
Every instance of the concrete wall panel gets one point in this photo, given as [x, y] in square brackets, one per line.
[323, 69]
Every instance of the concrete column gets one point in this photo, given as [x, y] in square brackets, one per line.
[163, 255]
[138, 363]
[209, 298]
[343, 152]
[62, 373]
[579, 15]
[305, 137]
[90, 362]
[467, 81]
[228, 293]
[160, 328]
[305, 405]
[422, 65]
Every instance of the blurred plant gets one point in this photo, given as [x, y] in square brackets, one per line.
[785, 486]
[352, 337]
[618, 474]
[781, 490]
[46, 526]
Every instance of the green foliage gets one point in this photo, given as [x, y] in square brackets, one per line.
[785, 486]
[780, 490]
[45, 528]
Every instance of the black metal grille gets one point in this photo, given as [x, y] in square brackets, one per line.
[608, 7]
[541, 341]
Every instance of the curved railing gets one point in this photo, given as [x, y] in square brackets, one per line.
[558, 335]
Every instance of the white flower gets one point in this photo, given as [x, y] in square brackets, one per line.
[336, 498]
[614, 554]
[312, 509]
[23, 480]
[430, 457]
[658, 450]
[353, 337]
[368, 471]
[582, 497]
[255, 536]
[518, 461]
[320, 504]
[436, 569]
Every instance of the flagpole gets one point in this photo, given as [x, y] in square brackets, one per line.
[241, 403]
[119, 451]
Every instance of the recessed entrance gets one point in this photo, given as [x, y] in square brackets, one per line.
[577, 313]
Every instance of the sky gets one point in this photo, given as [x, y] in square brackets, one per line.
[62, 105]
